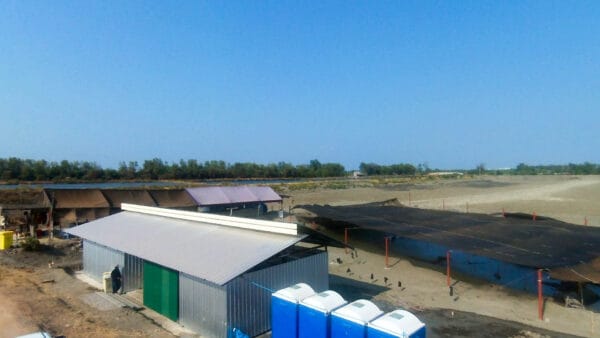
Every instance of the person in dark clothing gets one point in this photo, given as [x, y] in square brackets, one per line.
[115, 277]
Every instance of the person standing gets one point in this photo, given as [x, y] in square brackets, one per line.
[115, 277]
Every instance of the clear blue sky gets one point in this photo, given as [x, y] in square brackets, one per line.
[449, 83]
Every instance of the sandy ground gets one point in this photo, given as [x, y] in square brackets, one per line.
[567, 198]
[36, 297]
[423, 286]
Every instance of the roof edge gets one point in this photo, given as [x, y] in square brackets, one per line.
[235, 222]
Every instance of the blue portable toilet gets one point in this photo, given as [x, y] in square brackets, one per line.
[314, 314]
[284, 310]
[398, 323]
[351, 321]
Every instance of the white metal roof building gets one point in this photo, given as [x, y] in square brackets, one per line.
[210, 273]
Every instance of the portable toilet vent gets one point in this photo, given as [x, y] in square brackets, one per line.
[314, 314]
[351, 320]
[284, 310]
[398, 323]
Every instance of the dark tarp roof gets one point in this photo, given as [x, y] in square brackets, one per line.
[205, 196]
[539, 244]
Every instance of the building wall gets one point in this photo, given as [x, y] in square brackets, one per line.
[245, 302]
[507, 274]
[133, 273]
[98, 259]
[249, 296]
[202, 306]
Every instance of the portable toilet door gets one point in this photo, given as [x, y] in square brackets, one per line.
[351, 321]
[398, 323]
[314, 314]
[284, 310]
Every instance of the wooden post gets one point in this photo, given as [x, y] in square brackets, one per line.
[346, 239]
[585, 221]
[409, 198]
[503, 213]
[443, 204]
[448, 268]
[540, 295]
[467, 207]
[387, 240]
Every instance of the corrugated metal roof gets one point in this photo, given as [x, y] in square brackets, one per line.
[207, 251]
[172, 198]
[205, 196]
[23, 199]
[84, 198]
[118, 196]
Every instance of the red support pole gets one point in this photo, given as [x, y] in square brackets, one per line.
[585, 221]
[448, 268]
[540, 295]
[534, 215]
[346, 238]
[387, 239]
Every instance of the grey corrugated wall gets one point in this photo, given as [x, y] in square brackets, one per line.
[249, 296]
[98, 259]
[202, 306]
[133, 273]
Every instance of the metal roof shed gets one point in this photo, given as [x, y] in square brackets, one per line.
[222, 264]
[78, 205]
[211, 196]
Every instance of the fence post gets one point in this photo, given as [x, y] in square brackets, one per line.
[346, 239]
[540, 295]
[448, 268]
[387, 239]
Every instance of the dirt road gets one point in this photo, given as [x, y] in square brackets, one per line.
[38, 297]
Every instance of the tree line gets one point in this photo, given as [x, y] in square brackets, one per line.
[585, 168]
[16, 169]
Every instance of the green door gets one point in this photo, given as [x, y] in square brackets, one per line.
[161, 290]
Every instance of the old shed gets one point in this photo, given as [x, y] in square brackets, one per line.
[216, 199]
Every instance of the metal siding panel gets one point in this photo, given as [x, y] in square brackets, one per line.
[133, 273]
[249, 296]
[202, 306]
[98, 259]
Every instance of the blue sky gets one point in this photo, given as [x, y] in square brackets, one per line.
[447, 83]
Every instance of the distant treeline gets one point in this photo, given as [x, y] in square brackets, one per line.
[15, 169]
[394, 169]
[585, 168]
